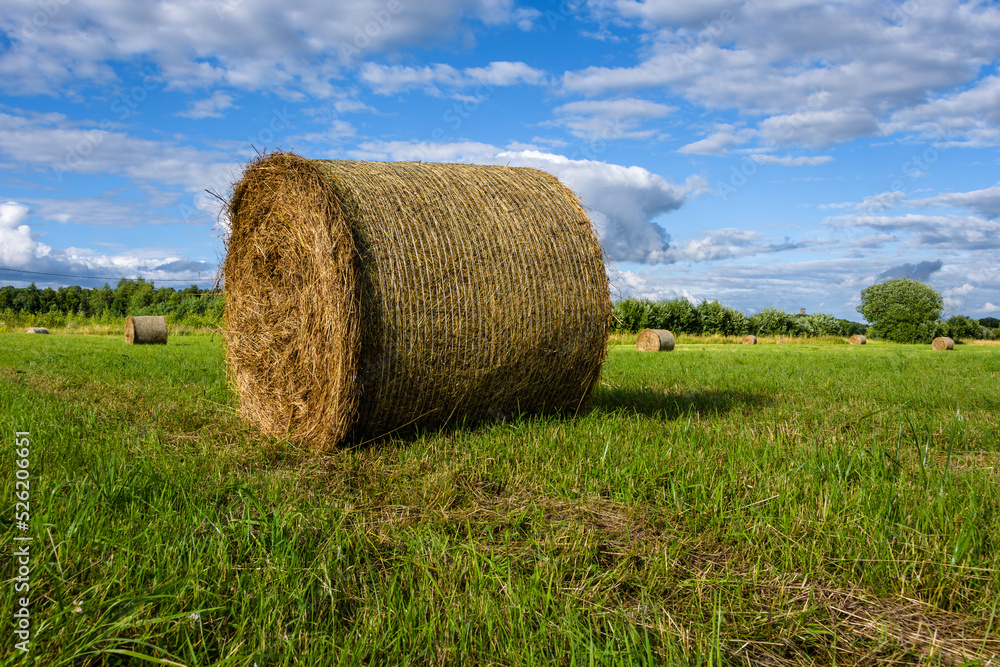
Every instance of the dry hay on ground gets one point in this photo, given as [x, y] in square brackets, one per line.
[36, 330]
[655, 340]
[749, 340]
[146, 330]
[863, 629]
[942, 343]
[857, 339]
[363, 297]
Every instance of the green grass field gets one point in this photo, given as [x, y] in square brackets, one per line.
[719, 504]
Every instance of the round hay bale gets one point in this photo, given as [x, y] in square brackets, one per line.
[363, 297]
[749, 340]
[146, 330]
[857, 339]
[943, 343]
[36, 330]
[655, 340]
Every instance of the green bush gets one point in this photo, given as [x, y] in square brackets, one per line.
[960, 327]
[631, 315]
[824, 325]
[711, 317]
[771, 322]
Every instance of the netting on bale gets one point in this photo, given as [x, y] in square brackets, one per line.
[655, 340]
[146, 330]
[362, 297]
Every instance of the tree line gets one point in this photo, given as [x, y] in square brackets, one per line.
[901, 311]
[904, 311]
[710, 318]
[129, 297]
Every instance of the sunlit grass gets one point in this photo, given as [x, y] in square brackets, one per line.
[793, 504]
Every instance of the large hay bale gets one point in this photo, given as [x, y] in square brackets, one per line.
[857, 339]
[749, 340]
[363, 297]
[146, 330]
[36, 330]
[943, 343]
[655, 340]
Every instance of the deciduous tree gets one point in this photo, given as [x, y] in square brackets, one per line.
[903, 311]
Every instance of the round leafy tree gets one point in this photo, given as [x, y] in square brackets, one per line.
[903, 311]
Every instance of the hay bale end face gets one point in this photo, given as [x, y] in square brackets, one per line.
[857, 339]
[655, 340]
[36, 330]
[364, 297]
[749, 340]
[146, 330]
[942, 343]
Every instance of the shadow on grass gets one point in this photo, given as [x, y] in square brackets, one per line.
[644, 401]
[673, 404]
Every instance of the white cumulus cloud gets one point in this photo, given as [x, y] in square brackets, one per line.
[18, 246]
[621, 201]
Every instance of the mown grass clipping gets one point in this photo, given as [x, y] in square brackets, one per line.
[364, 297]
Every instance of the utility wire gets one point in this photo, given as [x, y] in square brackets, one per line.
[70, 275]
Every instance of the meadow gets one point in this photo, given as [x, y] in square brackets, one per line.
[809, 503]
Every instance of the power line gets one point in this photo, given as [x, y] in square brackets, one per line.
[70, 275]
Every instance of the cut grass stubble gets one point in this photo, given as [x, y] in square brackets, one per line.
[770, 505]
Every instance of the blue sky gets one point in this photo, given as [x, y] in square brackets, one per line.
[782, 154]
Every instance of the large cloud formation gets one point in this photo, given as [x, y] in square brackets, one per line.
[815, 73]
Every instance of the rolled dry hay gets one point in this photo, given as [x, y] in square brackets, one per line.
[857, 339]
[38, 330]
[943, 343]
[749, 340]
[655, 340]
[146, 330]
[364, 297]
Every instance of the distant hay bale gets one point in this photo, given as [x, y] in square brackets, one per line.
[943, 343]
[36, 330]
[749, 340]
[857, 339]
[364, 297]
[655, 340]
[146, 330]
